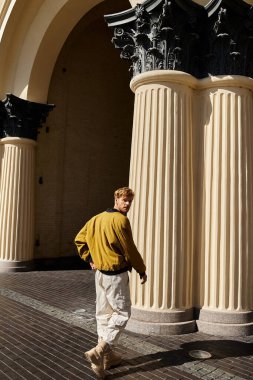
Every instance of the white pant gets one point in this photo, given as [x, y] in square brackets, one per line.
[113, 305]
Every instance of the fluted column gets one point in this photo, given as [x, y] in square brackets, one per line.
[191, 132]
[17, 202]
[162, 213]
[19, 124]
[227, 213]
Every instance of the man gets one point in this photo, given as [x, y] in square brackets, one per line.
[106, 242]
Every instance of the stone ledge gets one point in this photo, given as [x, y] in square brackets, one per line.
[225, 329]
[162, 316]
[226, 317]
[10, 266]
[50, 263]
[149, 328]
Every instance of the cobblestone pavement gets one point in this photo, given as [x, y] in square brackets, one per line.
[47, 322]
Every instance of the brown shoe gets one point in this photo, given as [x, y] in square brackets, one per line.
[99, 371]
[96, 357]
[111, 360]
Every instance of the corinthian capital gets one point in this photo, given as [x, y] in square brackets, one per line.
[181, 35]
[22, 118]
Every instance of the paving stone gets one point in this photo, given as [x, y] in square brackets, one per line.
[47, 322]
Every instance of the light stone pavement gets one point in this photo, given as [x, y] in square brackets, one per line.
[48, 321]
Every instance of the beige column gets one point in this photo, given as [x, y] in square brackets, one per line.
[162, 212]
[16, 203]
[227, 207]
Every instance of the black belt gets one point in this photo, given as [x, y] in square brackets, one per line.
[113, 272]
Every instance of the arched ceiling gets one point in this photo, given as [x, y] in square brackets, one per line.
[31, 36]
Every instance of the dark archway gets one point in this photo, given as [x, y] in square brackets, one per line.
[84, 152]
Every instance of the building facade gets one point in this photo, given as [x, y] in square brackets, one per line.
[72, 130]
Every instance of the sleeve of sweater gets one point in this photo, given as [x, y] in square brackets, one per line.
[81, 244]
[129, 248]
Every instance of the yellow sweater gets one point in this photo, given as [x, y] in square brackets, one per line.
[107, 238]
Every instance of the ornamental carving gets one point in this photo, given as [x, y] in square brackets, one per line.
[21, 118]
[230, 39]
[182, 35]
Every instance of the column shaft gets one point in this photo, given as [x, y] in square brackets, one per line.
[162, 214]
[16, 203]
[227, 241]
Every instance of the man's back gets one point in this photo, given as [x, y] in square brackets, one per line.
[108, 237]
[104, 238]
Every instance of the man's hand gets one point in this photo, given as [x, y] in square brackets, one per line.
[143, 278]
[92, 265]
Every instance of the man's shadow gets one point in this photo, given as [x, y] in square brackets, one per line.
[219, 349]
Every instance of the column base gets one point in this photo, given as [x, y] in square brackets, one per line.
[15, 266]
[225, 323]
[161, 323]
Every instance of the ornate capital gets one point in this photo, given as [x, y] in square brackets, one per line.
[21, 118]
[230, 38]
[182, 35]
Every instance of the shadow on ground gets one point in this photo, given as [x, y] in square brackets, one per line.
[219, 349]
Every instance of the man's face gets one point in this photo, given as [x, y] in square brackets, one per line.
[123, 203]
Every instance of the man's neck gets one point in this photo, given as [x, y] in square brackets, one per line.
[116, 208]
